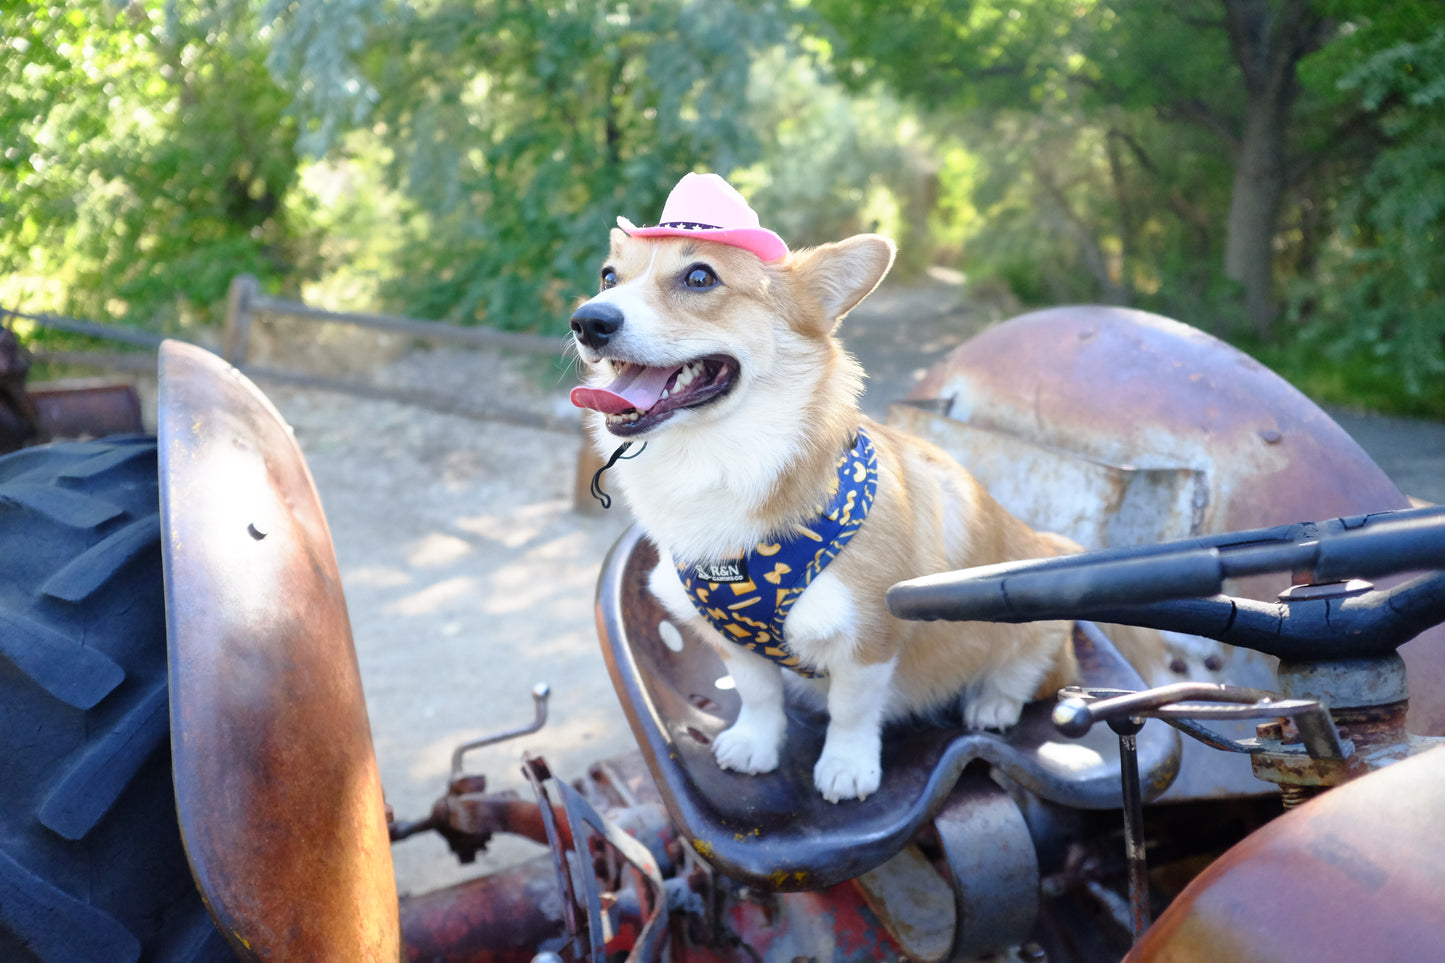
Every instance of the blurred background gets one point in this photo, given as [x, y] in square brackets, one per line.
[1268, 170]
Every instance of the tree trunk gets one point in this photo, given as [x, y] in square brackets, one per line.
[1254, 206]
[1268, 38]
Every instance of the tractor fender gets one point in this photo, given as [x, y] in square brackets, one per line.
[277, 788]
[1355, 874]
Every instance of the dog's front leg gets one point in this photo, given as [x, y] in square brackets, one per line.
[851, 765]
[751, 743]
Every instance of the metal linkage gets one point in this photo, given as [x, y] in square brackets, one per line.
[540, 693]
[1183, 703]
[580, 889]
[1180, 705]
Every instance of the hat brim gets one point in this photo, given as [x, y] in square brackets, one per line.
[759, 240]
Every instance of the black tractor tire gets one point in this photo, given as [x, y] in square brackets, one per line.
[92, 869]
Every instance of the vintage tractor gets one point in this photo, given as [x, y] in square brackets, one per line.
[186, 770]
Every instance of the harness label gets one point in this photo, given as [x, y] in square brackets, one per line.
[729, 572]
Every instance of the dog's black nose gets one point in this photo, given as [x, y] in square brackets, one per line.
[596, 323]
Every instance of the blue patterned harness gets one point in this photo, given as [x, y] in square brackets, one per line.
[747, 599]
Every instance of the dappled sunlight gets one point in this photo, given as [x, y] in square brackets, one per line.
[571, 545]
[374, 577]
[519, 588]
[437, 550]
[517, 528]
[438, 597]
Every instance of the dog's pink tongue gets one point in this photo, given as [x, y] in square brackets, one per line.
[636, 387]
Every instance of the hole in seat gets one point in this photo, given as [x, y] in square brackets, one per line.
[670, 636]
[704, 703]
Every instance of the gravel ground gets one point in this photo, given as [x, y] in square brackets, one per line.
[469, 576]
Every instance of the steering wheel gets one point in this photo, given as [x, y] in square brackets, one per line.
[1177, 585]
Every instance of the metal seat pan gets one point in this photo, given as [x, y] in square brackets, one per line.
[775, 830]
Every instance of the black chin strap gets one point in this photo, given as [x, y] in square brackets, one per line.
[597, 491]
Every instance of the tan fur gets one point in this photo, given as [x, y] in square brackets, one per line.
[929, 515]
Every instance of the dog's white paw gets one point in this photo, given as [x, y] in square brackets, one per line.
[840, 776]
[992, 709]
[747, 748]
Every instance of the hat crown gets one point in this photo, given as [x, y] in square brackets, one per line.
[706, 207]
[707, 201]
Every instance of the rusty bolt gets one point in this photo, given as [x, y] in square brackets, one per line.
[1272, 731]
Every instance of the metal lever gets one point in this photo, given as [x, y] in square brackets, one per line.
[1183, 703]
[1179, 705]
[540, 692]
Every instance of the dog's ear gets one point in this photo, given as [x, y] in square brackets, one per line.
[843, 273]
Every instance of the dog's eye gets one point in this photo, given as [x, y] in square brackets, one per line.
[699, 277]
[609, 278]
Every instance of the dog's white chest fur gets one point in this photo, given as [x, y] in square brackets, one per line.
[694, 497]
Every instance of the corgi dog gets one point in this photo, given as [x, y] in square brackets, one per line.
[782, 514]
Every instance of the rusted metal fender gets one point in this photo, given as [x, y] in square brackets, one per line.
[1137, 393]
[277, 787]
[1356, 874]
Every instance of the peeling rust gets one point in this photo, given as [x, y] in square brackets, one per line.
[1350, 875]
[1133, 392]
[504, 917]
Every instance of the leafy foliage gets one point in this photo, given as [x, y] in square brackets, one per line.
[148, 160]
[519, 131]
[464, 159]
[1375, 308]
[1112, 137]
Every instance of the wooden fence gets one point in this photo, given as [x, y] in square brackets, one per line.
[245, 303]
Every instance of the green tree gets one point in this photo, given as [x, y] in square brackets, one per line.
[518, 131]
[1372, 312]
[1165, 145]
[148, 158]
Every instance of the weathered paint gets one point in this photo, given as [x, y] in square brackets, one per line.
[1355, 874]
[504, 917]
[1112, 393]
[277, 788]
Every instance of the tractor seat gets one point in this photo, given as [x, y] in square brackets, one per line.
[775, 831]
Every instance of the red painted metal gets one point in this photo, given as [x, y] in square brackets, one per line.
[1355, 874]
[504, 917]
[87, 409]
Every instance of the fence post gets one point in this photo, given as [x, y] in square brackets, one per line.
[588, 461]
[239, 300]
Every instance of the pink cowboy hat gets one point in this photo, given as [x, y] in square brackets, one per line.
[707, 207]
